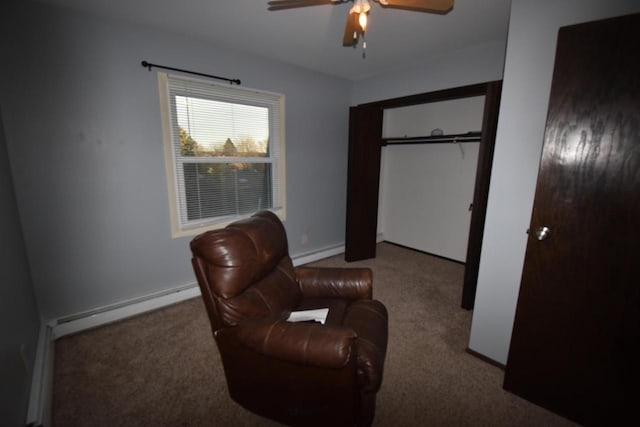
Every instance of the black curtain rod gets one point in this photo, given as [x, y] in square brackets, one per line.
[149, 65]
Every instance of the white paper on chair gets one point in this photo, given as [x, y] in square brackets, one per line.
[317, 315]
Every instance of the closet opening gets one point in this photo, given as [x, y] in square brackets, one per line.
[419, 171]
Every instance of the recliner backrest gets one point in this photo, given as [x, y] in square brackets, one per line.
[245, 270]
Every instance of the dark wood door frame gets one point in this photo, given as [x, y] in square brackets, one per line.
[481, 193]
[365, 141]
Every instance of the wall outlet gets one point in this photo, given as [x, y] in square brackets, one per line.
[304, 239]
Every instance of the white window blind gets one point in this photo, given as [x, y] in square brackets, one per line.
[226, 147]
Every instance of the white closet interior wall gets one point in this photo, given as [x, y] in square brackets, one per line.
[426, 189]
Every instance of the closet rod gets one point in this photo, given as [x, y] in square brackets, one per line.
[149, 65]
[464, 137]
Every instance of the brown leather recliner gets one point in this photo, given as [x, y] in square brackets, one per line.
[302, 374]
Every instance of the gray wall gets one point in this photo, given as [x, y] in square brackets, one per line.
[475, 64]
[84, 136]
[525, 96]
[19, 316]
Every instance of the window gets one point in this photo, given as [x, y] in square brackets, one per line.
[224, 151]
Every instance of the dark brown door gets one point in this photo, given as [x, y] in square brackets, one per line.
[365, 142]
[574, 347]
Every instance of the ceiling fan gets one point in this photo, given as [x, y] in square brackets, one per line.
[357, 19]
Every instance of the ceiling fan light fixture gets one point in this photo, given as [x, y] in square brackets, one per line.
[360, 6]
[362, 20]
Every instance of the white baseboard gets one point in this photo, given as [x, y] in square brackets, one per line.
[312, 256]
[40, 396]
[112, 313]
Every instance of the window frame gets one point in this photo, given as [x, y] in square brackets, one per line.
[182, 227]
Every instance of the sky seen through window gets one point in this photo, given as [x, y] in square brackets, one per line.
[211, 123]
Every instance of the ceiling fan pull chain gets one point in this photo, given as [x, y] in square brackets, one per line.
[364, 47]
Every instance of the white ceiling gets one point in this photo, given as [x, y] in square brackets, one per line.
[311, 37]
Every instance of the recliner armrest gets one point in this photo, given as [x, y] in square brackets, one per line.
[325, 282]
[302, 343]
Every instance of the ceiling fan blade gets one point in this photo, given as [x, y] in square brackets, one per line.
[290, 4]
[432, 6]
[351, 33]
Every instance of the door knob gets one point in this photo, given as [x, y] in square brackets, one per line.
[542, 233]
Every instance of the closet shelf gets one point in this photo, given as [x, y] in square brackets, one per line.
[461, 137]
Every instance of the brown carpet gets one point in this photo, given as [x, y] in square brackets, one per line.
[163, 369]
